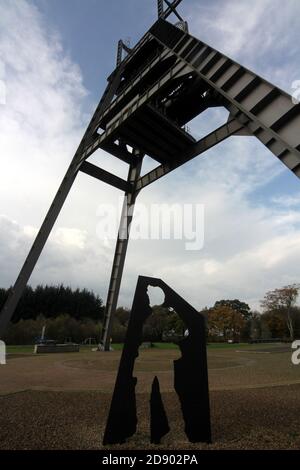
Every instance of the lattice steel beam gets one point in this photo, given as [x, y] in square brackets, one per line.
[171, 9]
[121, 47]
[268, 112]
[160, 8]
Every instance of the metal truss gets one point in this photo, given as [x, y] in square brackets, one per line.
[164, 82]
[171, 8]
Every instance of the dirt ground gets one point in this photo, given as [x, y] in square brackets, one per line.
[61, 401]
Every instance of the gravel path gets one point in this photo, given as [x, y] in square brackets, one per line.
[264, 418]
[61, 401]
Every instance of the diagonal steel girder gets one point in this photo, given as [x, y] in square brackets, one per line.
[229, 129]
[268, 113]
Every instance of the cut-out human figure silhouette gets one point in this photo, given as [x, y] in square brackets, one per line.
[190, 372]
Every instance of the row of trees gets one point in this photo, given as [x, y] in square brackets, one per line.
[77, 314]
[51, 301]
[280, 318]
[162, 325]
[62, 328]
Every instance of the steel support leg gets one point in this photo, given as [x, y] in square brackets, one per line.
[120, 253]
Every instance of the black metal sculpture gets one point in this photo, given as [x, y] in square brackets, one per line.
[190, 373]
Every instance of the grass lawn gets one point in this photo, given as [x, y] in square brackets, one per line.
[28, 349]
[19, 349]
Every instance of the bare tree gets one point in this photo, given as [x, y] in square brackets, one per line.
[283, 300]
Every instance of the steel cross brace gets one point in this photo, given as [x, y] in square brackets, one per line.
[231, 128]
[171, 9]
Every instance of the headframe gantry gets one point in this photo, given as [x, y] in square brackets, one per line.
[164, 82]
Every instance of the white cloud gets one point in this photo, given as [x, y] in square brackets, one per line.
[249, 248]
[70, 256]
[287, 201]
[263, 34]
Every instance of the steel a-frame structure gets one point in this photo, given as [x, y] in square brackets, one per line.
[165, 81]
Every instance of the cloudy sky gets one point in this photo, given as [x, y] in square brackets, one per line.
[54, 58]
